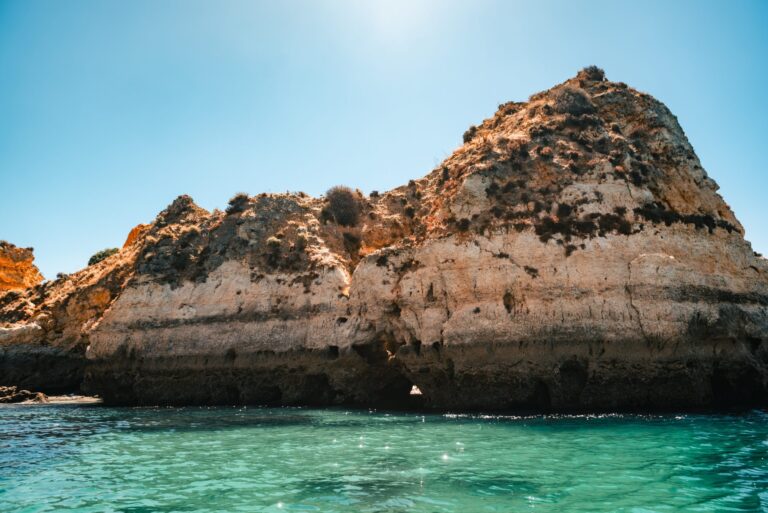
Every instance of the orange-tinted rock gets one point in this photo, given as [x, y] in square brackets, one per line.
[16, 268]
[134, 234]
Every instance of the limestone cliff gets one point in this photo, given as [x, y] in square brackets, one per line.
[572, 254]
[44, 329]
[17, 270]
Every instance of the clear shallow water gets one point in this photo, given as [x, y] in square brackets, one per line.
[97, 459]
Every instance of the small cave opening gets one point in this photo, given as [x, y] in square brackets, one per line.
[389, 384]
[400, 393]
[736, 386]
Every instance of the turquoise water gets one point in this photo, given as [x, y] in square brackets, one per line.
[98, 459]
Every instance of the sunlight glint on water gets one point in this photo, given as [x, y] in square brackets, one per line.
[75, 458]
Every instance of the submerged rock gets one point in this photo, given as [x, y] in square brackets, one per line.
[571, 255]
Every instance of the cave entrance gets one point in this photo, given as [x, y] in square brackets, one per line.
[389, 384]
[399, 393]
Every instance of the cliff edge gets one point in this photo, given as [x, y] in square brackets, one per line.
[17, 270]
[572, 254]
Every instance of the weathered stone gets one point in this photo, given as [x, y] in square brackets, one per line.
[14, 395]
[571, 255]
[17, 271]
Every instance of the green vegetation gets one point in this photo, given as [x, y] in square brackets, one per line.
[237, 203]
[101, 255]
[469, 134]
[593, 73]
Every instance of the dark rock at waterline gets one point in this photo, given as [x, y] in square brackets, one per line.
[15, 395]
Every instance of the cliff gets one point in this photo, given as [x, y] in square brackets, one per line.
[573, 254]
[16, 268]
[44, 328]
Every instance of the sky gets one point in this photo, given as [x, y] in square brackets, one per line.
[109, 110]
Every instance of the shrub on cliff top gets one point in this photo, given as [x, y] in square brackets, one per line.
[593, 73]
[469, 134]
[237, 203]
[343, 206]
[101, 255]
[572, 100]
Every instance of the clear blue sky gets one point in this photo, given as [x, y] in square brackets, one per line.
[109, 110]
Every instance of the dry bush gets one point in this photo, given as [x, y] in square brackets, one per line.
[343, 206]
[237, 203]
[572, 100]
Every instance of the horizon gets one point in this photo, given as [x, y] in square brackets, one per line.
[108, 114]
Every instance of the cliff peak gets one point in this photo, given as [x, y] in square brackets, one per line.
[585, 158]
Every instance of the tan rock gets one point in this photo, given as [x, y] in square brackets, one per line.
[572, 254]
[17, 270]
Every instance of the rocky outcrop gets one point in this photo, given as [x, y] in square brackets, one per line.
[44, 329]
[571, 255]
[17, 271]
[14, 395]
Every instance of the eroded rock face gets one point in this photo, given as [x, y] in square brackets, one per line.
[571, 255]
[44, 329]
[17, 271]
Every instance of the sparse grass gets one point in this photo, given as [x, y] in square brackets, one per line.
[658, 213]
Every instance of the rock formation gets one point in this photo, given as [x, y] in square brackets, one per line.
[14, 395]
[571, 255]
[44, 329]
[16, 268]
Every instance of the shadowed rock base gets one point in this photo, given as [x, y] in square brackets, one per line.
[315, 378]
[41, 368]
[512, 377]
[588, 377]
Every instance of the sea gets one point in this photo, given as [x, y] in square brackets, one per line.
[92, 458]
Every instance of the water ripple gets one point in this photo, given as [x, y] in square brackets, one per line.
[96, 459]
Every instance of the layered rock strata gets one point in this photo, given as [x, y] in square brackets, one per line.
[571, 255]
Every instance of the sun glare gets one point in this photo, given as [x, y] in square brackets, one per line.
[396, 19]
